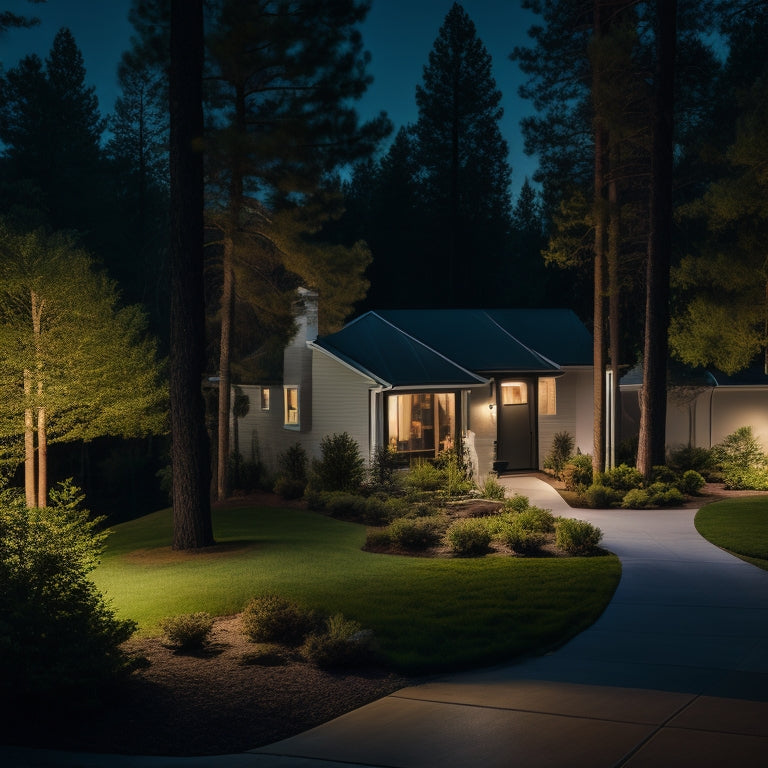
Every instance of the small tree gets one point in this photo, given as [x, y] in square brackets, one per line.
[57, 634]
[341, 467]
[74, 365]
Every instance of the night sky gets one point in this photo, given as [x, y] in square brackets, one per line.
[398, 33]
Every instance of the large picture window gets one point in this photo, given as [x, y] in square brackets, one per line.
[423, 424]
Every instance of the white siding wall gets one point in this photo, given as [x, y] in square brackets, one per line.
[574, 412]
[341, 403]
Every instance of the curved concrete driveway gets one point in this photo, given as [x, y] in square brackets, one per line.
[674, 673]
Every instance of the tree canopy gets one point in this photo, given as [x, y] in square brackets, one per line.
[74, 363]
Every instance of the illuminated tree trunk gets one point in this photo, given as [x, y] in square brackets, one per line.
[30, 476]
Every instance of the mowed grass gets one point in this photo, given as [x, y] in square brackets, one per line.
[427, 614]
[738, 525]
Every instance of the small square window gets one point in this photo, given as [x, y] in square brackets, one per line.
[514, 393]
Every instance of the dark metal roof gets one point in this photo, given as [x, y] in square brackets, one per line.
[457, 347]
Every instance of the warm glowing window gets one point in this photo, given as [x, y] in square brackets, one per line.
[547, 396]
[264, 399]
[514, 393]
[291, 397]
[422, 424]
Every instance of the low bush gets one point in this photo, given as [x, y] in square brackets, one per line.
[270, 618]
[577, 473]
[188, 632]
[745, 478]
[654, 496]
[576, 537]
[424, 476]
[469, 537]
[537, 519]
[621, 478]
[383, 470]
[343, 643]
[516, 503]
[492, 488]
[416, 533]
[691, 482]
[689, 457]
[518, 537]
[599, 496]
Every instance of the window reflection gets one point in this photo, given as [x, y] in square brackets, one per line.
[423, 424]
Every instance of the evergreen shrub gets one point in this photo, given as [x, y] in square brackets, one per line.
[577, 473]
[469, 536]
[340, 466]
[576, 537]
[270, 618]
[342, 644]
[188, 632]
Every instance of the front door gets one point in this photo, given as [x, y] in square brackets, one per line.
[516, 439]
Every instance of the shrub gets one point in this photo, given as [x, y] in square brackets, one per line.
[562, 448]
[746, 478]
[537, 519]
[455, 471]
[382, 472]
[577, 473]
[292, 472]
[270, 618]
[740, 450]
[518, 537]
[516, 503]
[690, 457]
[57, 634]
[599, 496]
[424, 476]
[416, 533]
[492, 488]
[664, 474]
[344, 643]
[691, 482]
[469, 537]
[655, 495]
[621, 478]
[576, 537]
[340, 467]
[188, 632]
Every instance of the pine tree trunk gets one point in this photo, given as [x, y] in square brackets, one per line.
[614, 316]
[30, 473]
[227, 318]
[190, 450]
[42, 459]
[653, 396]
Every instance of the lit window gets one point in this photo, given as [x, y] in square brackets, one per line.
[422, 424]
[264, 399]
[514, 393]
[547, 396]
[291, 397]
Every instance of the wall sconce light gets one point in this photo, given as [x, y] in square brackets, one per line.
[491, 406]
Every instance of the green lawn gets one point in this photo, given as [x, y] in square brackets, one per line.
[738, 525]
[428, 614]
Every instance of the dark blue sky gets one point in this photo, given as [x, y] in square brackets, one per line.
[398, 33]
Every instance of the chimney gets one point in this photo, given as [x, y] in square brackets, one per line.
[305, 312]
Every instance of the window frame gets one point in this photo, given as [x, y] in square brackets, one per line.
[550, 397]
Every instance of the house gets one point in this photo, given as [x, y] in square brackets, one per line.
[704, 406]
[503, 380]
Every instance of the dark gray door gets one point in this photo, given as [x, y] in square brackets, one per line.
[516, 437]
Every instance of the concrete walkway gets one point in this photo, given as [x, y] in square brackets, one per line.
[674, 673]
